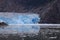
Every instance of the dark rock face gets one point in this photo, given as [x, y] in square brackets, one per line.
[31, 2]
[3, 24]
[21, 5]
[53, 13]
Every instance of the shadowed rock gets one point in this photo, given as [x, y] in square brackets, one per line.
[3, 24]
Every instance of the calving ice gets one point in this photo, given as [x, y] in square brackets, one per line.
[13, 19]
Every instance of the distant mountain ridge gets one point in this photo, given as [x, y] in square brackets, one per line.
[20, 5]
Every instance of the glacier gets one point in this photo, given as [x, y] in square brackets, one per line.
[21, 19]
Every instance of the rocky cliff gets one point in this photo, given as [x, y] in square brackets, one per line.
[51, 15]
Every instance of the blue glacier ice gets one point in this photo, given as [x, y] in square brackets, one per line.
[21, 19]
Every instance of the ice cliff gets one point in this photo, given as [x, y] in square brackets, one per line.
[20, 19]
